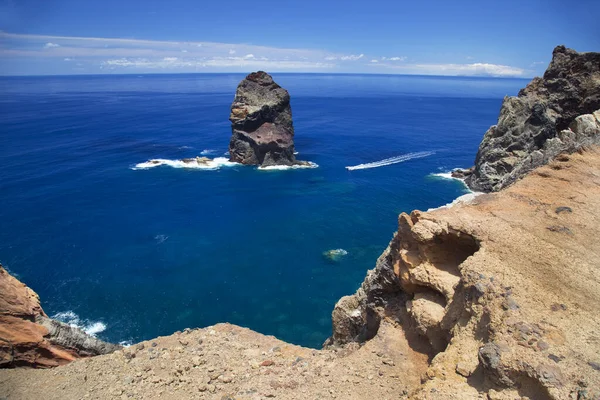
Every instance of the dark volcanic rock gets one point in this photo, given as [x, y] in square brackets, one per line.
[544, 120]
[460, 173]
[261, 118]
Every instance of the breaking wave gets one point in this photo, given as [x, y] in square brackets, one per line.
[448, 176]
[287, 167]
[92, 328]
[445, 175]
[392, 160]
[213, 164]
[464, 199]
[206, 152]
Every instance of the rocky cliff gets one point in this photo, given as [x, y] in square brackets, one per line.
[29, 338]
[261, 123]
[539, 123]
[503, 293]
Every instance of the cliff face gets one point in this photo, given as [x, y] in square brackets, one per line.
[29, 338]
[261, 123]
[504, 292]
[539, 123]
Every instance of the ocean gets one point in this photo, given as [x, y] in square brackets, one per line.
[132, 253]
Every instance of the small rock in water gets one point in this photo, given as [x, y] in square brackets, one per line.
[334, 255]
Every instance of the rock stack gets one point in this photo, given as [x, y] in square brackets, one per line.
[261, 123]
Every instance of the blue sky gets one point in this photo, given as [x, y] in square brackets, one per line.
[441, 37]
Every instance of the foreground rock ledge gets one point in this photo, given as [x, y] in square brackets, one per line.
[498, 299]
[261, 123]
[503, 294]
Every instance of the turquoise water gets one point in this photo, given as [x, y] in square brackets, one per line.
[131, 254]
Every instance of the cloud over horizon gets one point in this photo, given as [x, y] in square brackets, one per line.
[127, 55]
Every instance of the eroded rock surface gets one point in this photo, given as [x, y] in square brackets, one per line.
[504, 306]
[29, 338]
[261, 123]
[540, 122]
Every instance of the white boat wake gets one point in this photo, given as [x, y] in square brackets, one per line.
[392, 160]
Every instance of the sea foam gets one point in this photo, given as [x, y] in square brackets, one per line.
[464, 199]
[213, 164]
[92, 328]
[391, 160]
[448, 176]
[288, 167]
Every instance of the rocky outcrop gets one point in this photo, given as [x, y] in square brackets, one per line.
[502, 293]
[29, 338]
[261, 123]
[540, 122]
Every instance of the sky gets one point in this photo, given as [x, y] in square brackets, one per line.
[505, 38]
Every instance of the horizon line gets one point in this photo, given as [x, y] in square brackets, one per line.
[278, 73]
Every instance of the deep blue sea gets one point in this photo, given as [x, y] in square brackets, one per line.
[132, 254]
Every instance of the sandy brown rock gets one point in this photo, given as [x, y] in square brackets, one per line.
[228, 362]
[29, 338]
[504, 292]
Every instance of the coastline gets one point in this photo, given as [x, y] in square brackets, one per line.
[515, 224]
[494, 295]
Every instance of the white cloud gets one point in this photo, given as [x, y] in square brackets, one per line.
[475, 69]
[352, 57]
[136, 55]
[225, 62]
